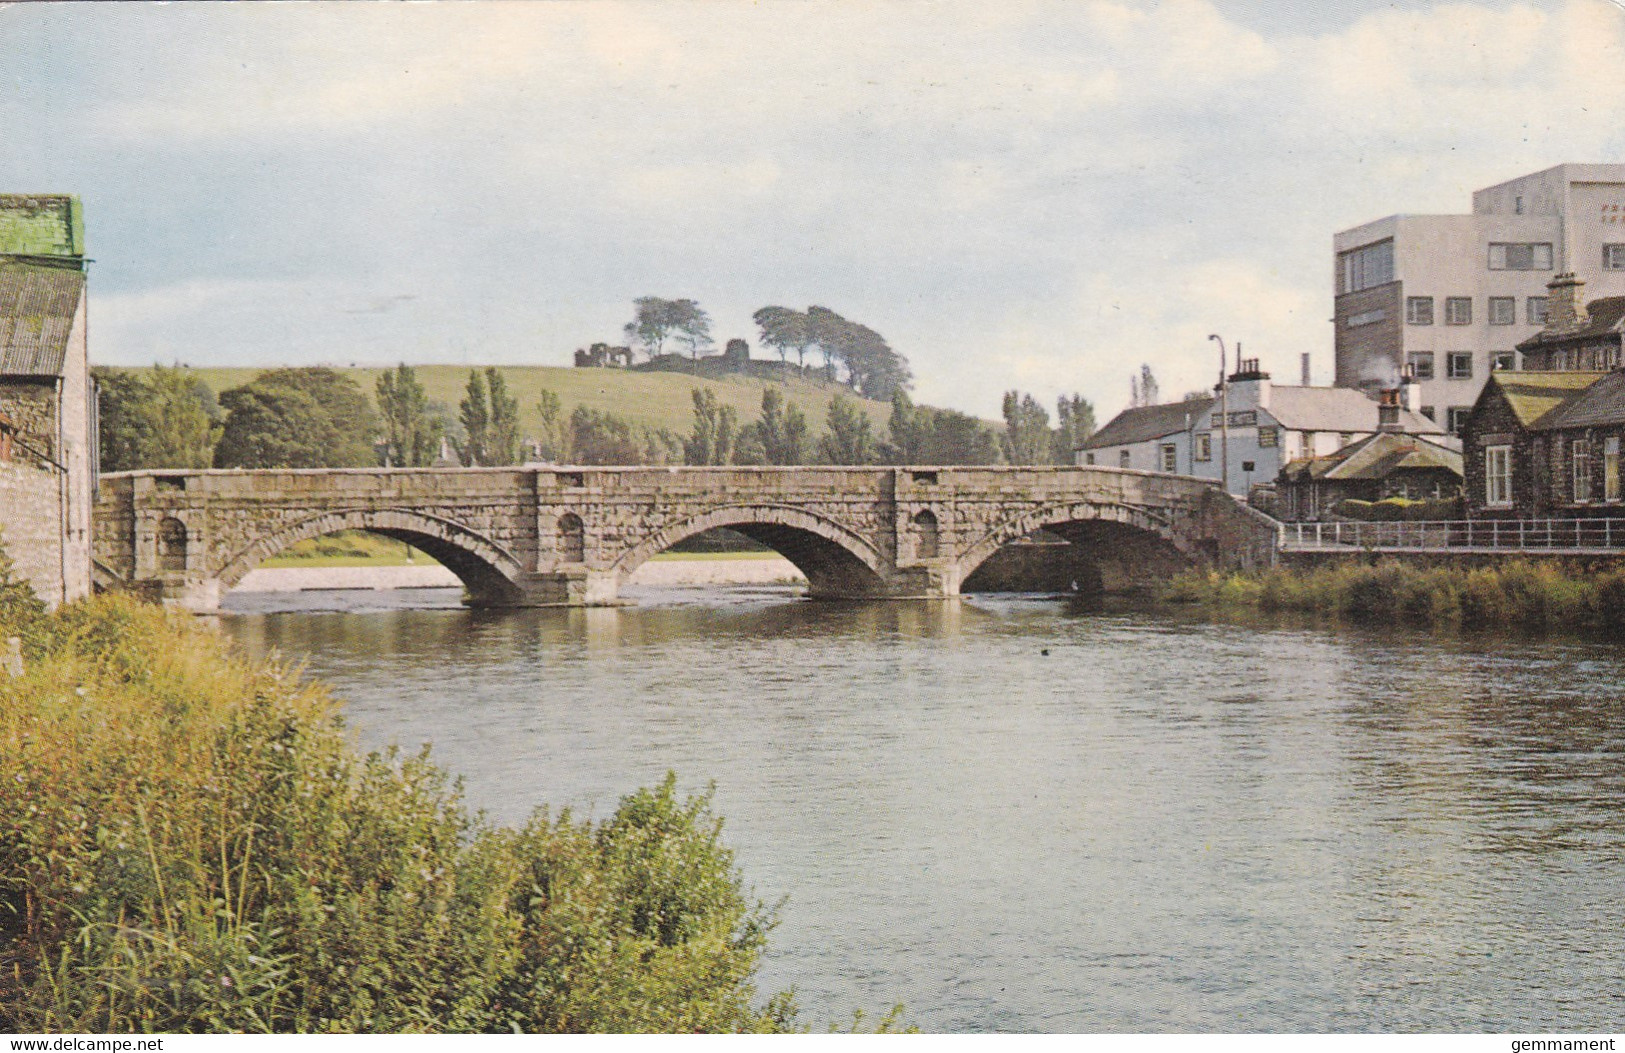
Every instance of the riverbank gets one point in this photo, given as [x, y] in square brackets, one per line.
[193, 845]
[679, 570]
[1513, 594]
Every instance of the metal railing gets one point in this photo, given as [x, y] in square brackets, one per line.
[1459, 535]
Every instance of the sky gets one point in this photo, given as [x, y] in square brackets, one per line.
[1024, 195]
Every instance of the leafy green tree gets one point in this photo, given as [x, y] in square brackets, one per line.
[604, 438]
[925, 435]
[297, 418]
[716, 430]
[850, 438]
[22, 613]
[1027, 438]
[554, 437]
[411, 434]
[166, 419]
[873, 369]
[1075, 422]
[656, 320]
[905, 431]
[474, 413]
[781, 431]
[502, 446]
[785, 330]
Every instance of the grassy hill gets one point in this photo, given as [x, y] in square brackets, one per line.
[655, 400]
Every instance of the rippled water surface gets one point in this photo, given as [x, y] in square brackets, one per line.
[1011, 815]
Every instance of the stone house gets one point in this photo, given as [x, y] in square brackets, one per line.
[1376, 467]
[47, 442]
[1545, 445]
[1577, 336]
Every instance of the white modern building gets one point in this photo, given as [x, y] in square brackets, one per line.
[1449, 297]
[1268, 426]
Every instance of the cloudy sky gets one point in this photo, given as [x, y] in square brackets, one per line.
[1034, 195]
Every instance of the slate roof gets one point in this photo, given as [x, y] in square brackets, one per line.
[1144, 423]
[1603, 402]
[1606, 314]
[1533, 395]
[1336, 409]
[1377, 457]
[37, 305]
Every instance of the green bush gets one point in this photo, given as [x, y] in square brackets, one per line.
[192, 845]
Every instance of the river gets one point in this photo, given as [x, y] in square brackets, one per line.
[1012, 814]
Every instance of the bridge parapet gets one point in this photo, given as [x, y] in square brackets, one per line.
[568, 534]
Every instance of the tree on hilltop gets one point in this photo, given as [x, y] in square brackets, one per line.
[656, 320]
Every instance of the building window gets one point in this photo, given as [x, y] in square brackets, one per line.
[1088, 458]
[1204, 446]
[1517, 205]
[1520, 256]
[1580, 457]
[1269, 436]
[1367, 318]
[1170, 457]
[1421, 363]
[1418, 310]
[1537, 310]
[1456, 418]
[1498, 476]
[1610, 469]
[1366, 267]
[1307, 445]
[1503, 310]
[1613, 257]
[1459, 365]
[1123, 458]
[1431, 413]
[1458, 310]
[1504, 360]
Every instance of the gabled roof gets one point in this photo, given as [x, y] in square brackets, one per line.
[1603, 402]
[37, 305]
[1533, 395]
[1377, 457]
[1144, 423]
[1336, 409]
[1606, 316]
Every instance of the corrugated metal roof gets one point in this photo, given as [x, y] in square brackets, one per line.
[1602, 402]
[1144, 423]
[1533, 395]
[37, 305]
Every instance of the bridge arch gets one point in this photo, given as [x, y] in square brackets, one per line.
[489, 571]
[1083, 523]
[836, 561]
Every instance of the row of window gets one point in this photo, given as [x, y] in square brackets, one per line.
[1373, 265]
[1458, 365]
[1498, 473]
[1458, 310]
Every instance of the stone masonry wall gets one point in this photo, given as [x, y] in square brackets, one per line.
[29, 526]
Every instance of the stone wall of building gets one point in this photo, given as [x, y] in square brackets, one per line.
[30, 525]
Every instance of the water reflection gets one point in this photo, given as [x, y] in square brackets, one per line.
[1029, 815]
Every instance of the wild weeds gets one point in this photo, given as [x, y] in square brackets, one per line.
[190, 844]
[1516, 593]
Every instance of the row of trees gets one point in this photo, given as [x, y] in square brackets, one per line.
[872, 367]
[315, 418]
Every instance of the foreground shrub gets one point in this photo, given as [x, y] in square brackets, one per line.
[190, 844]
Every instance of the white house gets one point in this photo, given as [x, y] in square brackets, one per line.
[1269, 425]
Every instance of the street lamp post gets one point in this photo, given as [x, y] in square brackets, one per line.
[1224, 416]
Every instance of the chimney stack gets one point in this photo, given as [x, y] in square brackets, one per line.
[1565, 306]
[1306, 369]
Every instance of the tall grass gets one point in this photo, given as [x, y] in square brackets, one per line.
[189, 843]
[1517, 593]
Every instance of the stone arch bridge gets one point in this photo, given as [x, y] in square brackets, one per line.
[542, 535]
